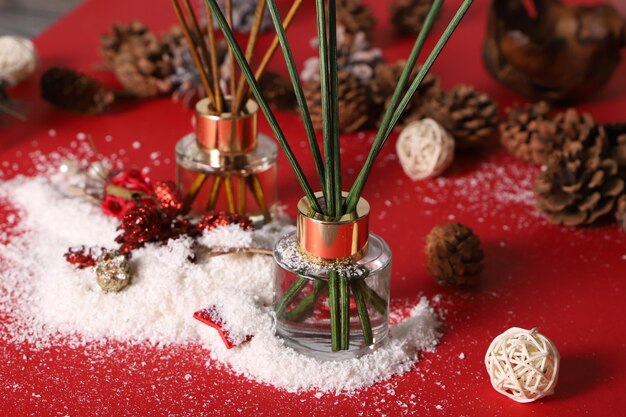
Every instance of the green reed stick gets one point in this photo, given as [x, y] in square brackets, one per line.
[344, 300]
[267, 111]
[297, 88]
[289, 295]
[361, 309]
[334, 95]
[333, 302]
[326, 109]
[393, 114]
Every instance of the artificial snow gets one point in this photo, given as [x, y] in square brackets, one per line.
[51, 302]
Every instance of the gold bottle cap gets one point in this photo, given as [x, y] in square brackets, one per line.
[326, 240]
[225, 132]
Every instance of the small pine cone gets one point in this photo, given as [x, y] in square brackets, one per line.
[408, 16]
[353, 98]
[455, 256]
[580, 183]
[528, 133]
[355, 16]
[620, 212]
[470, 116]
[140, 61]
[73, 91]
[278, 90]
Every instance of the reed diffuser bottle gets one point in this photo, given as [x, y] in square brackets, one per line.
[332, 280]
[338, 256]
[225, 165]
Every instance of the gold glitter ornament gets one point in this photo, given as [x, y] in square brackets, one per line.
[112, 271]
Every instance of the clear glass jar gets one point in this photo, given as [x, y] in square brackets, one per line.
[303, 314]
[225, 165]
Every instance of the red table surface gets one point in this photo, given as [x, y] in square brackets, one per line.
[568, 282]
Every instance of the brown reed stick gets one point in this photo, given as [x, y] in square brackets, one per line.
[238, 96]
[194, 52]
[219, 100]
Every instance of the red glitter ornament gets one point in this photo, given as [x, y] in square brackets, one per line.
[216, 219]
[81, 257]
[168, 197]
[141, 224]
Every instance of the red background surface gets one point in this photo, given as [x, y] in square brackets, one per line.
[567, 282]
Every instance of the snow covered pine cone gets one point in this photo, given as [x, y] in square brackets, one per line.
[581, 182]
[454, 255]
[470, 116]
[528, 132]
[74, 91]
[139, 59]
[355, 16]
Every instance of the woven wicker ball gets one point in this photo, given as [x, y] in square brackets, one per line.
[424, 149]
[523, 365]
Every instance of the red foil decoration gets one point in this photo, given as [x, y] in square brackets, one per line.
[132, 180]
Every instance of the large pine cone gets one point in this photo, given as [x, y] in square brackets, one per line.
[73, 91]
[408, 16]
[355, 16]
[470, 116]
[353, 98]
[528, 132]
[616, 133]
[383, 84]
[140, 61]
[455, 256]
[620, 212]
[581, 182]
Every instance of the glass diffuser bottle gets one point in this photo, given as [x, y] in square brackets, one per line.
[307, 260]
[225, 165]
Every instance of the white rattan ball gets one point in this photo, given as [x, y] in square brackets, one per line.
[424, 149]
[523, 364]
[18, 59]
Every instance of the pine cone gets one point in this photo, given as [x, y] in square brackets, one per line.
[140, 61]
[528, 133]
[355, 16]
[278, 90]
[77, 92]
[408, 16]
[353, 98]
[470, 116]
[581, 182]
[620, 212]
[383, 84]
[616, 133]
[455, 256]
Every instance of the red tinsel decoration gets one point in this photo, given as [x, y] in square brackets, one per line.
[216, 219]
[81, 257]
[169, 198]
